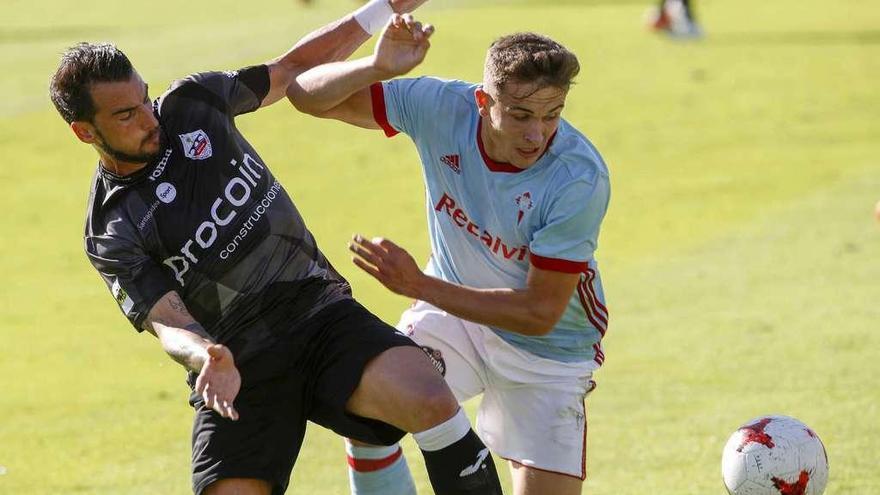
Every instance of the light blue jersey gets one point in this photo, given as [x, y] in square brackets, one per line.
[489, 221]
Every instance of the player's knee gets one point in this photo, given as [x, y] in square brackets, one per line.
[436, 404]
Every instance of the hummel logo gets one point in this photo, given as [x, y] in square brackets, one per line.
[453, 162]
[473, 469]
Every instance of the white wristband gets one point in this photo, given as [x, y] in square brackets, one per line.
[374, 15]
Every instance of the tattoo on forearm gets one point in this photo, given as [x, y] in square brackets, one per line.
[177, 304]
[184, 342]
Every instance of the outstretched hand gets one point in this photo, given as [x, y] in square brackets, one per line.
[219, 381]
[388, 263]
[402, 46]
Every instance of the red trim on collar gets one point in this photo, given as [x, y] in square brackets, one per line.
[501, 166]
[380, 115]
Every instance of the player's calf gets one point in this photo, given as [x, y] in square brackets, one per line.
[420, 402]
[457, 461]
[378, 470]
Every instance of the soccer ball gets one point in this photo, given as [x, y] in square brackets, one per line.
[774, 455]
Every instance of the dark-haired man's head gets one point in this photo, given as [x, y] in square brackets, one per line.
[97, 91]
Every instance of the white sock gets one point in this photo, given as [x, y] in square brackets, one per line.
[377, 470]
[444, 434]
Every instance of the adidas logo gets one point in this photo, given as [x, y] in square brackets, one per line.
[453, 162]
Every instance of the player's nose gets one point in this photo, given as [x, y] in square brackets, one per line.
[534, 134]
[148, 119]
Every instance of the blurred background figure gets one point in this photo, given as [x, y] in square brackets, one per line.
[675, 18]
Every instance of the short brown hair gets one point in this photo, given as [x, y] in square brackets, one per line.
[82, 65]
[530, 58]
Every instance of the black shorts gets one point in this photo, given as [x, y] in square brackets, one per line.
[309, 376]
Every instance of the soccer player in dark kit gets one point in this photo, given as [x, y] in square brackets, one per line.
[203, 248]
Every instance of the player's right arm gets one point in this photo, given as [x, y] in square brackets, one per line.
[341, 90]
[250, 88]
[184, 339]
[146, 295]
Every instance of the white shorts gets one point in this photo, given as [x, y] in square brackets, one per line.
[533, 409]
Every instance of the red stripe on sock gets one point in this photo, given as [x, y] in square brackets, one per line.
[370, 465]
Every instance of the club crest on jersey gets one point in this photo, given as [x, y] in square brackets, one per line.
[453, 162]
[196, 145]
[524, 202]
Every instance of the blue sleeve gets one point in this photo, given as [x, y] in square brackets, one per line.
[407, 105]
[569, 236]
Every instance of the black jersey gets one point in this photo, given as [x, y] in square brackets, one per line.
[209, 220]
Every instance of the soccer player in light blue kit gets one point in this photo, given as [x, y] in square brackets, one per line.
[511, 304]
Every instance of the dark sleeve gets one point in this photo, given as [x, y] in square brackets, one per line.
[231, 92]
[135, 280]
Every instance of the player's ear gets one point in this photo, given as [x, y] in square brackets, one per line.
[483, 101]
[84, 131]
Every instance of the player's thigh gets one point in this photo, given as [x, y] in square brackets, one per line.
[401, 387]
[445, 339]
[533, 410]
[372, 383]
[530, 481]
[539, 427]
[238, 486]
[265, 441]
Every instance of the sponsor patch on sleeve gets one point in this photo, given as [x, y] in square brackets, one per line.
[122, 298]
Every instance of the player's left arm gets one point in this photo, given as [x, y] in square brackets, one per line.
[533, 310]
[331, 43]
[569, 233]
[341, 90]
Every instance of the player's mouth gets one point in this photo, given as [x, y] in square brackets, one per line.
[529, 153]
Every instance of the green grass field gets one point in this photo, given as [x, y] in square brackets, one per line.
[739, 254]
